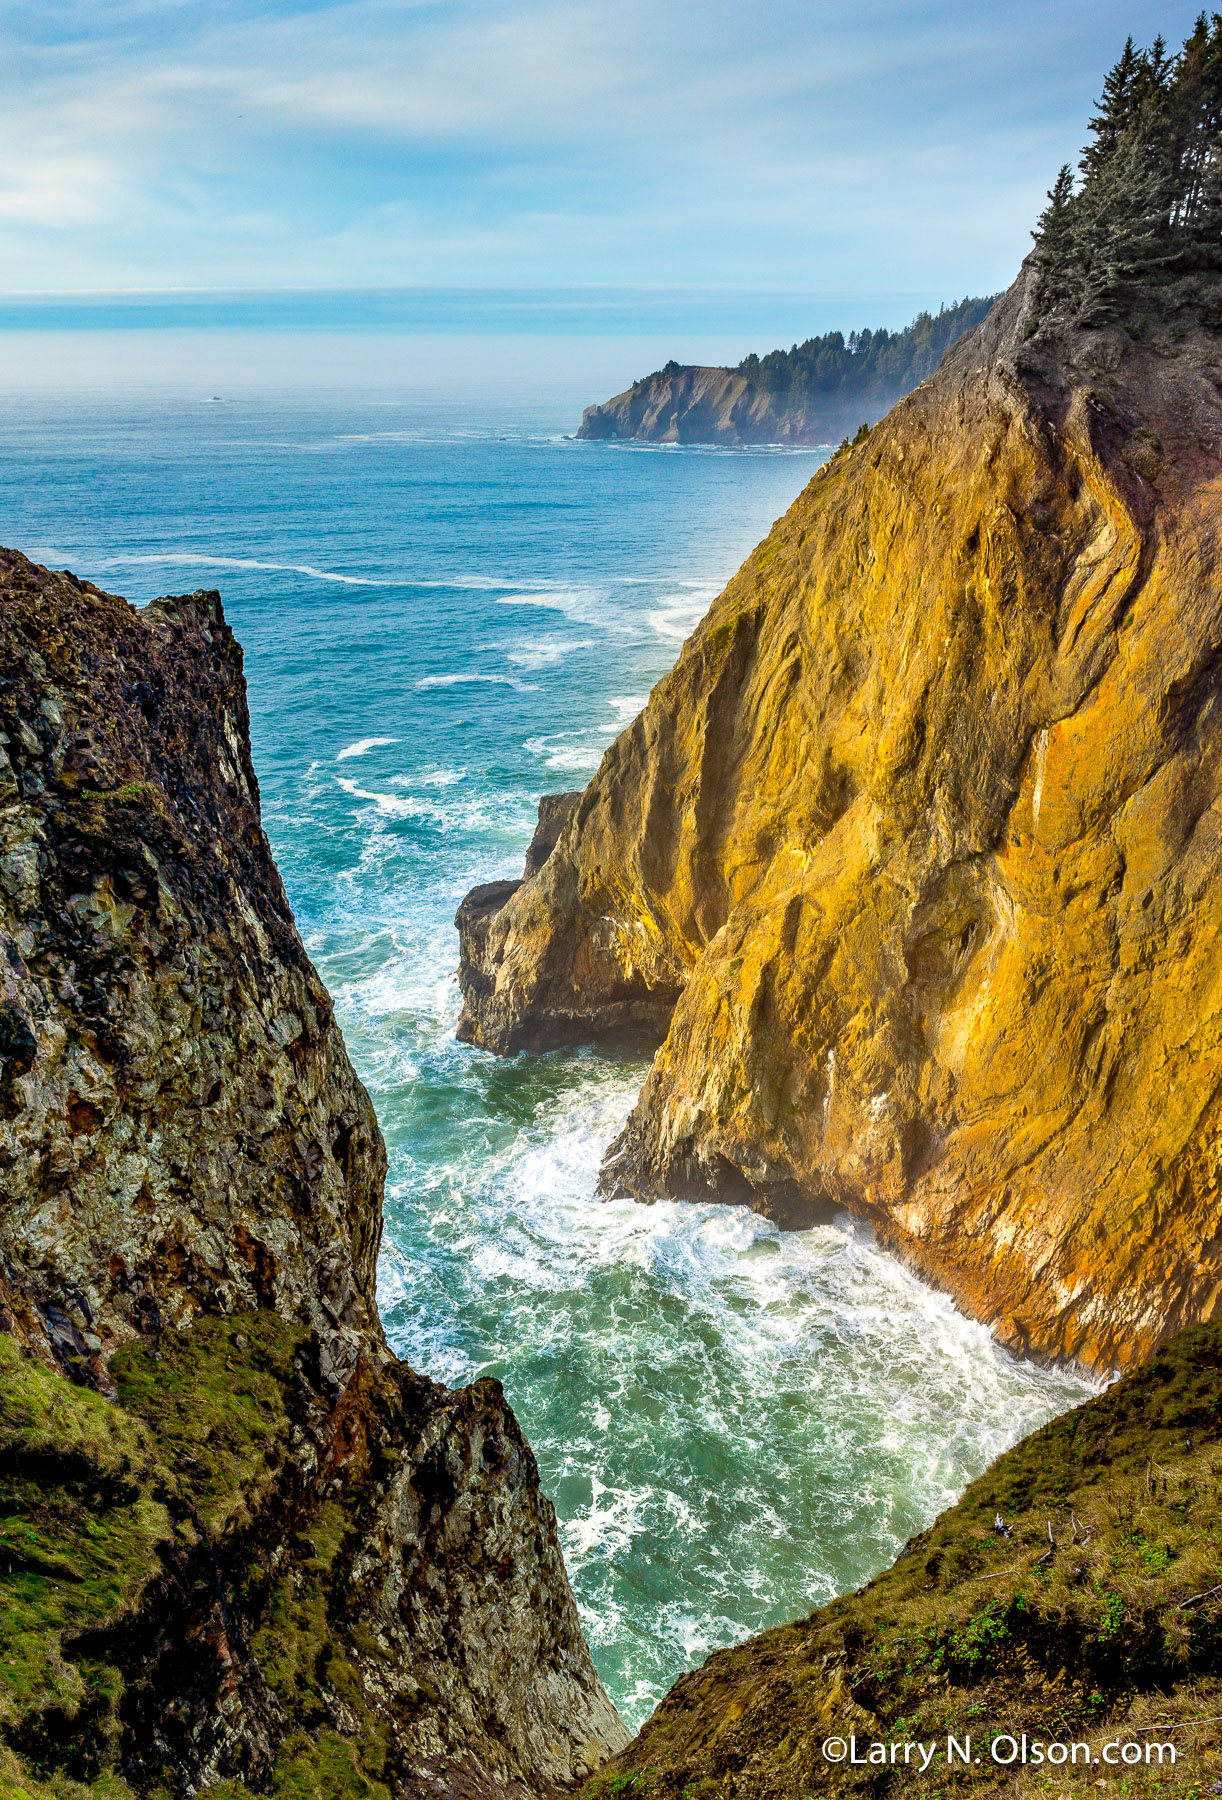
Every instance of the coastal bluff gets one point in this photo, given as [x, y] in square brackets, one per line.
[912, 866]
[242, 1547]
[814, 393]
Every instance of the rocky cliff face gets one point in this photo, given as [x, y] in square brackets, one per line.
[814, 393]
[240, 1543]
[917, 851]
[697, 405]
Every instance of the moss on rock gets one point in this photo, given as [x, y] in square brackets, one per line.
[230, 1581]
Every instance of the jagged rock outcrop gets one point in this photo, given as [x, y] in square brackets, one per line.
[239, 1542]
[1071, 1598]
[917, 850]
[180, 1128]
[622, 1010]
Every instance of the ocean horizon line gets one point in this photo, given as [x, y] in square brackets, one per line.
[589, 309]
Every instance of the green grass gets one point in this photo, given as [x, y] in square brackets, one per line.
[129, 794]
[99, 1501]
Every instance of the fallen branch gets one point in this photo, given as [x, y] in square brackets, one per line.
[1193, 1598]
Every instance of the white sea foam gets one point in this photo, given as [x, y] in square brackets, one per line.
[472, 679]
[363, 746]
[625, 707]
[396, 805]
[580, 752]
[439, 778]
[467, 583]
[414, 806]
[465, 814]
[571, 751]
[585, 606]
[608, 1525]
[191, 559]
[677, 621]
[547, 654]
[742, 1422]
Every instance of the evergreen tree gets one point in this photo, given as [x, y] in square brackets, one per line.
[1054, 236]
[870, 364]
[1145, 227]
[1118, 110]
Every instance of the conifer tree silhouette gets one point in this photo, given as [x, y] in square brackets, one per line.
[1144, 228]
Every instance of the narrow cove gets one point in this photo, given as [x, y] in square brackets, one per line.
[734, 1424]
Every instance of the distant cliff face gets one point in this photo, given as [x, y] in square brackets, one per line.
[815, 393]
[917, 849]
[240, 1542]
[695, 405]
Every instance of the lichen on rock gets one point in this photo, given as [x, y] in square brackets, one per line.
[242, 1548]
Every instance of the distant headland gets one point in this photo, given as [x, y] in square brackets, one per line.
[811, 394]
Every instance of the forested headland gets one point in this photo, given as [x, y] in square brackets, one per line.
[810, 393]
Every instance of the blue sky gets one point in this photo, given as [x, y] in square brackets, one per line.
[878, 147]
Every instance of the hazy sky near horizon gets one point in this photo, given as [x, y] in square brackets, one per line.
[892, 145]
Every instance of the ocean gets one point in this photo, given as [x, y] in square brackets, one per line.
[448, 608]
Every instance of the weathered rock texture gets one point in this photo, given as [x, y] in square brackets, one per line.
[919, 850]
[181, 1128]
[1071, 1597]
[260, 1550]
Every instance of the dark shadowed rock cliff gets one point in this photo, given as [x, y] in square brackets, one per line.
[914, 861]
[241, 1546]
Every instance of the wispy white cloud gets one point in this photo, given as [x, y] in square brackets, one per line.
[898, 143]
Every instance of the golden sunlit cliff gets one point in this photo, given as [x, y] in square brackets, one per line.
[914, 860]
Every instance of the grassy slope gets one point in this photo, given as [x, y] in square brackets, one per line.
[101, 1505]
[972, 1631]
[976, 1631]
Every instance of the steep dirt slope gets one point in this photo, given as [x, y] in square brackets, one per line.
[918, 851]
[239, 1542]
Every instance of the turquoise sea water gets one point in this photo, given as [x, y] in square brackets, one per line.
[448, 610]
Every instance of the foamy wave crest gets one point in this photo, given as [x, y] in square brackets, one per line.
[585, 606]
[363, 746]
[440, 778]
[189, 559]
[395, 805]
[547, 655]
[569, 750]
[677, 620]
[625, 708]
[474, 680]
[474, 814]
